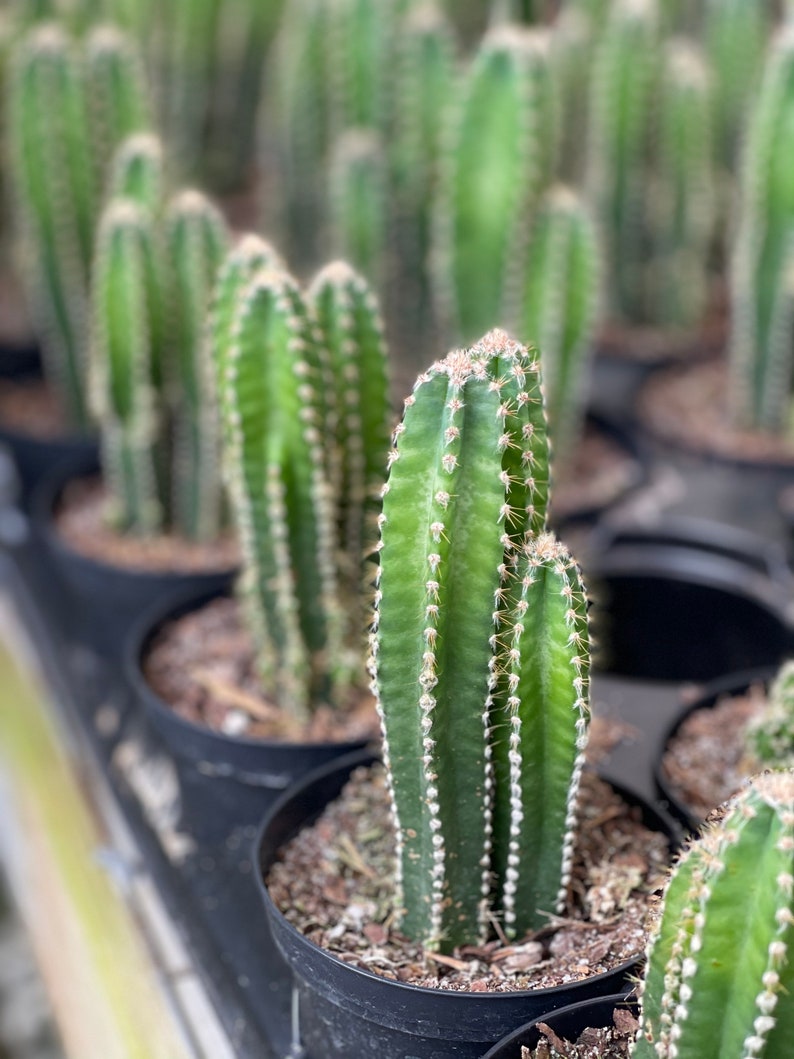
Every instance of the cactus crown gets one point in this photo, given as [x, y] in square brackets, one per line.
[720, 981]
[480, 641]
[770, 735]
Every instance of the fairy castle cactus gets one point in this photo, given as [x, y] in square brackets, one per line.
[274, 461]
[761, 270]
[559, 306]
[357, 202]
[720, 978]
[770, 735]
[70, 104]
[501, 140]
[479, 643]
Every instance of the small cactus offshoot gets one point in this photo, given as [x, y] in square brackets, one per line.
[770, 735]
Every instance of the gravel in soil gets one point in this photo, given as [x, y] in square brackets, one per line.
[707, 762]
[599, 473]
[29, 407]
[81, 520]
[611, 1042]
[335, 879]
[203, 665]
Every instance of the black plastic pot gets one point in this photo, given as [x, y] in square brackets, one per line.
[689, 601]
[103, 602]
[225, 781]
[568, 1023]
[348, 1013]
[737, 684]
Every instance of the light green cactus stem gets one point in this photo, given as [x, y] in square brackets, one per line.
[720, 978]
[279, 491]
[122, 390]
[69, 105]
[137, 171]
[196, 237]
[770, 735]
[468, 482]
[762, 269]
[625, 74]
[359, 39]
[499, 159]
[357, 203]
[350, 328]
[559, 307]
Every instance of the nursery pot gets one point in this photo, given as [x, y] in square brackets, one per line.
[568, 1023]
[103, 601]
[688, 601]
[734, 685]
[225, 781]
[344, 1012]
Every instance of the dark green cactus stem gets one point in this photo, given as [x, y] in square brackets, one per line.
[559, 308]
[720, 978]
[625, 74]
[137, 171]
[498, 161]
[468, 481]
[763, 262]
[769, 737]
[351, 329]
[357, 206]
[123, 394]
[683, 206]
[197, 237]
[539, 719]
[279, 492]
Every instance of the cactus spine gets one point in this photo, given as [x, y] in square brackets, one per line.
[478, 611]
[770, 735]
[763, 262]
[559, 306]
[61, 132]
[498, 161]
[720, 980]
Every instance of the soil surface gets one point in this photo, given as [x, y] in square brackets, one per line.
[29, 406]
[692, 408]
[653, 345]
[335, 880]
[707, 762]
[610, 1042]
[204, 666]
[599, 473]
[81, 519]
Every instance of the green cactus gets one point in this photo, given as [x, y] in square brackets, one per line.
[720, 981]
[351, 330]
[573, 45]
[69, 105]
[357, 203]
[763, 263]
[497, 163]
[559, 307]
[770, 735]
[137, 171]
[280, 495]
[196, 239]
[480, 640]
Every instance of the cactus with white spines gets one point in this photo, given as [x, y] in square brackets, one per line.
[275, 468]
[559, 307]
[502, 139]
[70, 104]
[720, 978]
[762, 267]
[769, 736]
[196, 239]
[479, 632]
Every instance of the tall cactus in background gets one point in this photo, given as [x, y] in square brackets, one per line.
[559, 307]
[479, 631]
[69, 106]
[720, 978]
[274, 463]
[357, 207]
[196, 241]
[359, 39]
[624, 77]
[498, 160]
[573, 45]
[762, 288]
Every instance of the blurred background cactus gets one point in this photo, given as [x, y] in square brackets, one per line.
[720, 982]
[770, 734]
[480, 630]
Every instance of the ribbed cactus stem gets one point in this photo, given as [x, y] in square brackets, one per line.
[137, 171]
[559, 307]
[358, 41]
[196, 236]
[357, 205]
[279, 490]
[762, 269]
[467, 483]
[720, 978]
[122, 392]
[498, 159]
[770, 735]
[351, 329]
